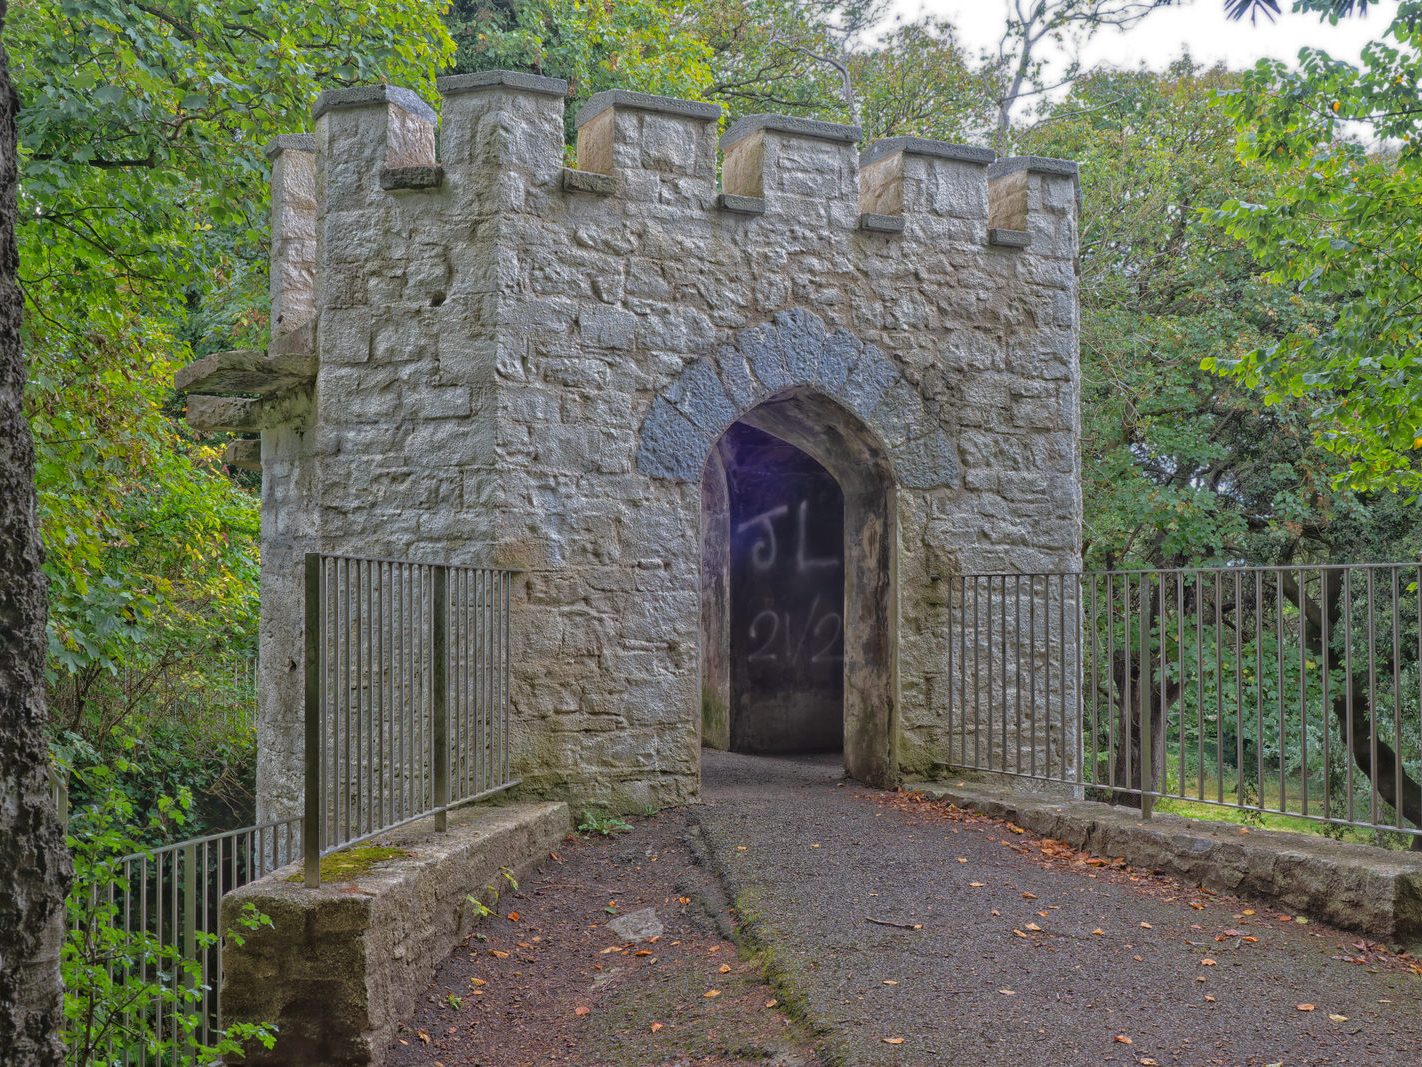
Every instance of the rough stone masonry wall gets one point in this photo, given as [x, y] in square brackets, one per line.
[508, 349]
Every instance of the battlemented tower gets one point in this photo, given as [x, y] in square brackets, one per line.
[738, 426]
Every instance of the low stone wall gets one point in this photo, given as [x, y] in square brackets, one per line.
[341, 965]
[1356, 887]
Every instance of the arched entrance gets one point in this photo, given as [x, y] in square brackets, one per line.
[798, 609]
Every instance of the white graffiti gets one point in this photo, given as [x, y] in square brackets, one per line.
[769, 626]
[765, 551]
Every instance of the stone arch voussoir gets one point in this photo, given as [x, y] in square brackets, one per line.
[795, 350]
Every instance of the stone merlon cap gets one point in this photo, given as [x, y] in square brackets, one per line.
[823, 131]
[922, 146]
[365, 95]
[1041, 164]
[501, 79]
[667, 105]
[290, 142]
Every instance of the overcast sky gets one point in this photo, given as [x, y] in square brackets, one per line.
[1200, 27]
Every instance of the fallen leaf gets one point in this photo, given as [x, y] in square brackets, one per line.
[741, 848]
[710, 993]
[1098, 932]
[582, 1009]
[478, 981]
[771, 1002]
[976, 885]
[1018, 933]
[655, 1027]
[1207, 962]
[1300, 920]
[962, 859]
[1015, 828]
[1338, 1018]
[725, 968]
[1146, 1061]
[513, 916]
[423, 1036]
[1209, 999]
[1304, 1007]
[890, 981]
[1034, 928]
[643, 952]
[892, 1040]
[815, 845]
[1122, 1039]
[683, 900]
[1147, 926]
[1008, 992]
[1247, 911]
[498, 954]
[604, 952]
[1029, 896]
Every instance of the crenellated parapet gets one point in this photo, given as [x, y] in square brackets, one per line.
[483, 354]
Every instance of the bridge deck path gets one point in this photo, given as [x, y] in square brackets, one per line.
[1010, 950]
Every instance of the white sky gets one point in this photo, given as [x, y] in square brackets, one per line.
[1200, 27]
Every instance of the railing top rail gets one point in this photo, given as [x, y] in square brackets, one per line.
[333, 556]
[162, 850]
[1242, 568]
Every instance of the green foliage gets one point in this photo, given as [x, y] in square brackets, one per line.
[595, 822]
[119, 974]
[1340, 222]
[142, 229]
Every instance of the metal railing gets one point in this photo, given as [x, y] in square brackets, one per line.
[148, 932]
[1292, 690]
[407, 695]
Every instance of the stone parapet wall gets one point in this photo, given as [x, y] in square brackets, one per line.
[339, 968]
[524, 365]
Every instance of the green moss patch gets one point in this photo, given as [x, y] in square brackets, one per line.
[350, 863]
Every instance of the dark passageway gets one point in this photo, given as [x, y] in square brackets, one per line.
[786, 597]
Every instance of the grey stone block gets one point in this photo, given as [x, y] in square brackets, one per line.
[586, 181]
[669, 446]
[1039, 164]
[699, 395]
[290, 142]
[1009, 238]
[741, 205]
[876, 223]
[396, 178]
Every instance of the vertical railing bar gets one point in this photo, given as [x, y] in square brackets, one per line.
[505, 674]
[1149, 598]
[1348, 682]
[1032, 707]
[1179, 677]
[1002, 627]
[1399, 770]
[1259, 689]
[1303, 689]
[1112, 716]
[952, 635]
[311, 836]
[1325, 597]
[1062, 675]
[962, 669]
[977, 681]
[1199, 685]
[1017, 662]
[1373, 713]
[1093, 771]
[439, 693]
[1279, 681]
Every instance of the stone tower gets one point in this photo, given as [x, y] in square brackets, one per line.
[480, 355]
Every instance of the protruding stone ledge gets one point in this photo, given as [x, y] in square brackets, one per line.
[341, 966]
[224, 414]
[873, 222]
[290, 142]
[666, 105]
[1004, 238]
[922, 146]
[244, 455]
[425, 177]
[485, 80]
[792, 125]
[366, 95]
[587, 181]
[1357, 887]
[246, 372]
[741, 205]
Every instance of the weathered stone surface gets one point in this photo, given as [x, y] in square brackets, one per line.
[1009, 238]
[340, 967]
[1357, 887]
[246, 372]
[874, 222]
[531, 365]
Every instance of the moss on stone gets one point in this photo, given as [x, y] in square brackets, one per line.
[350, 863]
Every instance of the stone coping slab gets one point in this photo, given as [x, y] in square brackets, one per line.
[340, 966]
[667, 105]
[483, 80]
[922, 146]
[1038, 164]
[791, 124]
[290, 142]
[1356, 887]
[366, 95]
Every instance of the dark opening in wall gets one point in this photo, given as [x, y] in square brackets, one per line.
[786, 596]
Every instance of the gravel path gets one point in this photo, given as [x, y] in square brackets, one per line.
[1008, 950]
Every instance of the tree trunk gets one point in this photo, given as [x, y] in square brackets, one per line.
[34, 867]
